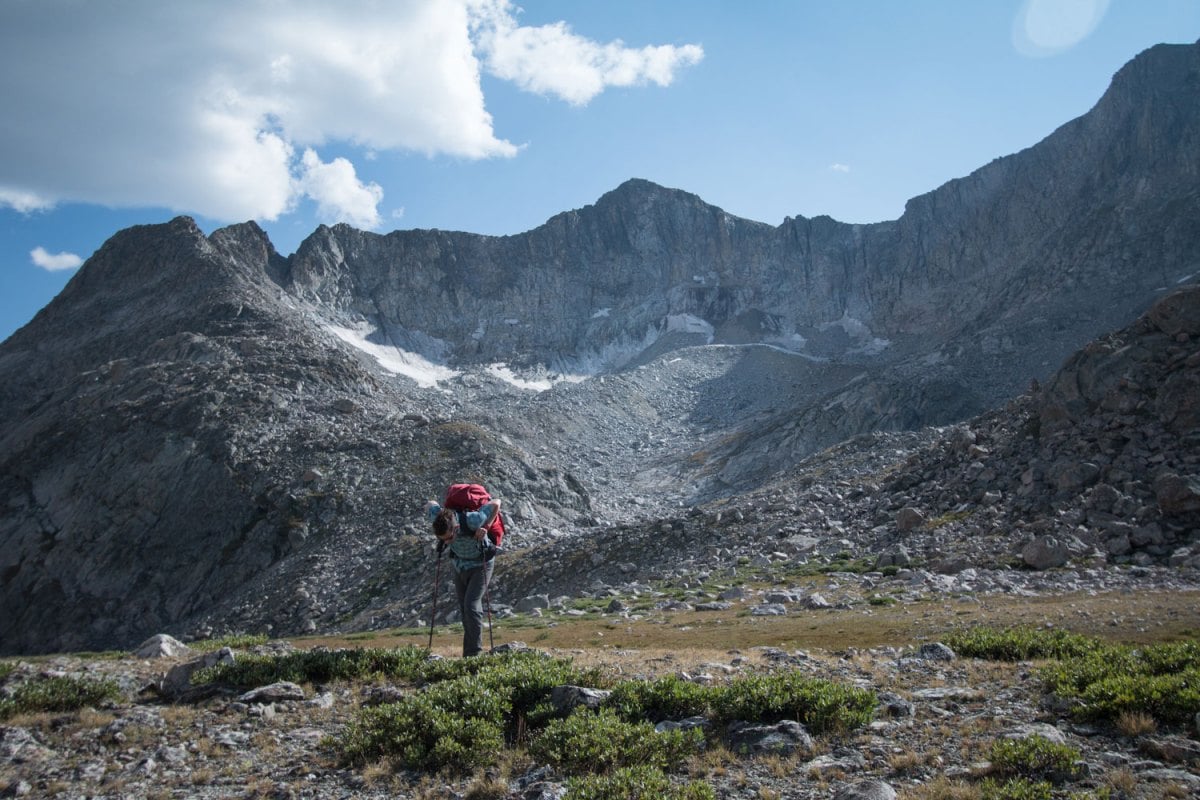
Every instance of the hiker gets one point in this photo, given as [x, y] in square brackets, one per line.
[471, 553]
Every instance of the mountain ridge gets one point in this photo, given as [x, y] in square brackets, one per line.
[202, 433]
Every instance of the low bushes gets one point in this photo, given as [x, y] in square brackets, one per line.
[317, 666]
[821, 706]
[58, 693]
[463, 712]
[1034, 758]
[1020, 644]
[587, 742]
[420, 734]
[635, 783]
[1102, 681]
[669, 697]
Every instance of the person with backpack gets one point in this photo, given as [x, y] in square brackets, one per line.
[468, 524]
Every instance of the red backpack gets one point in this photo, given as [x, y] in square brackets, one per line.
[472, 497]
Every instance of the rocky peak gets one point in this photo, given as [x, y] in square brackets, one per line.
[198, 432]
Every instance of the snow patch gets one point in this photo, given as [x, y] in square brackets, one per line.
[604, 312]
[396, 361]
[538, 384]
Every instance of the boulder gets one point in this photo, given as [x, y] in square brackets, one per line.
[273, 693]
[780, 738]
[866, 790]
[568, 698]
[1045, 552]
[909, 518]
[1177, 494]
[161, 645]
[178, 680]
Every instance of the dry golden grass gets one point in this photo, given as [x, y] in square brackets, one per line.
[486, 788]
[1136, 723]
[695, 636]
[202, 776]
[941, 788]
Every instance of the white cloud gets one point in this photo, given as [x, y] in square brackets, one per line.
[1046, 27]
[552, 59]
[839, 168]
[54, 262]
[340, 195]
[22, 201]
[213, 110]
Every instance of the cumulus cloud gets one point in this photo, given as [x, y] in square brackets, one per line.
[54, 262]
[551, 59]
[839, 168]
[339, 194]
[1047, 27]
[216, 112]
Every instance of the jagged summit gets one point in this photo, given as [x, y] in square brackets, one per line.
[201, 432]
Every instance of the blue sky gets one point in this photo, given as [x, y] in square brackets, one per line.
[490, 116]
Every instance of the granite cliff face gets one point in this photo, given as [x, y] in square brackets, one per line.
[192, 440]
[1067, 237]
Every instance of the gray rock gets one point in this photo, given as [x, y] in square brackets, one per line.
[716, 605]
[781, 738]
[936, 651]
[273, 693]
[567, 698]
[895, 556]
[178, 680]
[536, 601]
[1045, 552]
[909, 518]
[817, 601]
[683, 724]
[866, 790]
[1177, 494]
[161, 645]
[769, 610]
[896, 706]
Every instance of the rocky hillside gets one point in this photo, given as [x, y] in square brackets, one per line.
[201, 434]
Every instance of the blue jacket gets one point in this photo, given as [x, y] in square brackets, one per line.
[465, 552]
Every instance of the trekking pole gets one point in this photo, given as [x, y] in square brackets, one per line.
[436, 582]
[487, 596]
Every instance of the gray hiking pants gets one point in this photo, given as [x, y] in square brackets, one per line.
[470, 584]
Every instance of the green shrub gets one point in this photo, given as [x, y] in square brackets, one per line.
[1070, 677]
[1162, 680]
[236, 641]
[467, 697]
[58, 693]
[669, 697]
[6, 669]
[1021, 644]
[587, 742]
[317, 666]
[421, 735]
[635, 783]
[1170, 699]
[1015, 789]
[1034, 758]
[1162, 659]
[819, 705]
